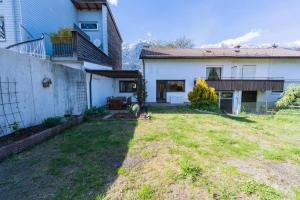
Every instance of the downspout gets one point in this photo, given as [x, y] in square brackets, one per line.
[90, 87]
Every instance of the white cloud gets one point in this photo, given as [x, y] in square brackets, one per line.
[113, 2]
[149, 34]
[229, 43]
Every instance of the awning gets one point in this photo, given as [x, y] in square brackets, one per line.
[116, 73]
[88, 4]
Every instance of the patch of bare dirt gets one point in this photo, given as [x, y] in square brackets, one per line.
[283, 176]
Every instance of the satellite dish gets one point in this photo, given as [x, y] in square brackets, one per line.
[97, 43]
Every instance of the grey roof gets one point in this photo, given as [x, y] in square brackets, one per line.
[148, 53]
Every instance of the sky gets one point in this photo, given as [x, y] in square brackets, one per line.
[209, 22]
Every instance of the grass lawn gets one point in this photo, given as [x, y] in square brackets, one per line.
[179, 154]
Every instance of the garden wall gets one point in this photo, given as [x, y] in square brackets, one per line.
[25, 101]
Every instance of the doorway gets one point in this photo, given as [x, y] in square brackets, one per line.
[226, 101]
[161, 91]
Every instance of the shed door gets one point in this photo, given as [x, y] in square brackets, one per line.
[226, 102]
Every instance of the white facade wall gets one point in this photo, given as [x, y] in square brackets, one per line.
[190, 70]
[7, 12]
[66, 95]
[92, 16]
[102, 87]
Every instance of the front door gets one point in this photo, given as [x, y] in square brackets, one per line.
[161, 91]
[226, 102]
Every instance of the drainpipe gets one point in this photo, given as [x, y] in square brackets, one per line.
[90, 86]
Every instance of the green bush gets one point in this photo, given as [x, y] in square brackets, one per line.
[64, 35]
[95, 111]
[203, 97]
[51, 122]
[289, 97]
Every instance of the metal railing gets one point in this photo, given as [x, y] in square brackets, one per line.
[63, 47]
[241, 78]
[34, 48]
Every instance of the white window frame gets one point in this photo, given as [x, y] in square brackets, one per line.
[89, 22]
[214, 66]
[2, 40]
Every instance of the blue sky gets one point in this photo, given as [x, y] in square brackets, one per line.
[209, 21]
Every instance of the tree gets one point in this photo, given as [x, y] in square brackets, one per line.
[203, 97]
[180, 43]
[141, 92]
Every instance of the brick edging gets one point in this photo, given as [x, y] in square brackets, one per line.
[19, 146]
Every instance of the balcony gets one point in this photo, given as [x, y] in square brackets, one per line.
[78, 47]
[247, 84]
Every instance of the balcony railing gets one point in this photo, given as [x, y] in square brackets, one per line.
[78, 47]
[247, 84]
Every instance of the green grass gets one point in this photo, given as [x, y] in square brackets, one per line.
[178, 154]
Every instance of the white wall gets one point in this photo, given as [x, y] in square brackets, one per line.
[66, 95]
[7, 11]
[189, 70]
[92, 16]
[102, 87]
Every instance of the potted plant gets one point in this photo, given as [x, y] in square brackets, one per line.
[62, 42]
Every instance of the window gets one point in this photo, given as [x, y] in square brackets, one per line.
[127, 86]
[2, 29]
[89, 26]
[213, 73]
[248, 71]
[176, 86]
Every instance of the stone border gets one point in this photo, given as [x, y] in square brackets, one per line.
[19, 146]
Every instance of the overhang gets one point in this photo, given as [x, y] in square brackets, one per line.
[116, 73]
[88, 4]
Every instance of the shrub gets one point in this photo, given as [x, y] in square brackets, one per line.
[94, 111]
[203, 97]
[289, 97]
[51, 122]
[64, 35]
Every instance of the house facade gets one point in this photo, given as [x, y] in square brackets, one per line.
[245, 79]
[94, 29]
[94, 44]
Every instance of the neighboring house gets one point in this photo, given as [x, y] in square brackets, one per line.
[243, 78]
[95, 45]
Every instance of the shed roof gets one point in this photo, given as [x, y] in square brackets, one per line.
[116, 73]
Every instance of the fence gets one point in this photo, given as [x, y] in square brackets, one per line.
[261, 107]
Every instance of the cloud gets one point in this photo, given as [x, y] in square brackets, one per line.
[113, 2]
[149, 34]
[229, 43]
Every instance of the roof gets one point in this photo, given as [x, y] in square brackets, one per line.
[116, 73]
[96, 4]
[148, 53]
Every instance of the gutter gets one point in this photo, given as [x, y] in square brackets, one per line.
[90, 87]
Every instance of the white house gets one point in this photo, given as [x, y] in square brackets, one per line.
[243, 78]
[95, 45]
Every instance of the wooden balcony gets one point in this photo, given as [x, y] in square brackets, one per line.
[79, 48]
[255, 84]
